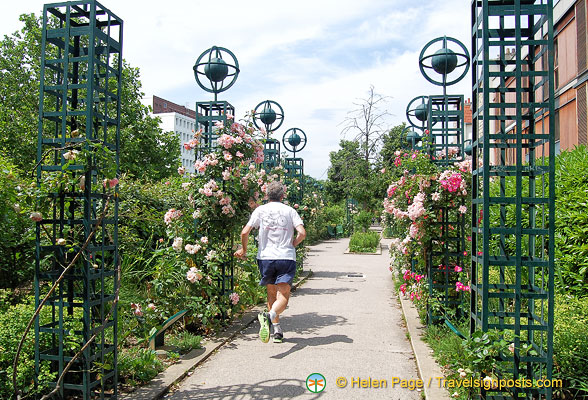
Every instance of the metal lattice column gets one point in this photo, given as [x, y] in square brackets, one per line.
[81, 69]
[446, 128]
[513, 207]
[446, 251]
[294, 167]
[271, 154]
[208, 113]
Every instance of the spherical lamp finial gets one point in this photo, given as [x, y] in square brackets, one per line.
[444, 61]
[216, 70]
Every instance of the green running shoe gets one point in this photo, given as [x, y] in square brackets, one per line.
[264, 329]
[278, 337]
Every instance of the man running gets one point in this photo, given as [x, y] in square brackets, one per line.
[276, 255]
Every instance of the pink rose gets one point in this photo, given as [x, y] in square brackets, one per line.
[36, 216]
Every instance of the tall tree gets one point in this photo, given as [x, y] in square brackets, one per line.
[350, 176]
[146, 151]
[367, 123]
[392, 141]
[19, 93]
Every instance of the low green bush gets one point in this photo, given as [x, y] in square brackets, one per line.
[185, 341]
[570, 350]
[138, 365]
[571, 247]
[13, 320]
[364, 242]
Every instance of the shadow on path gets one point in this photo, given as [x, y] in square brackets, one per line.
[313, 341]
[302, 324]
[268, 389]
[325, 274]
[306, 291]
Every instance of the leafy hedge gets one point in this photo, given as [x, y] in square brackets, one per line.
[364, 242]
[570, 350]
[13, 320]
[17, 231]
[571, 247]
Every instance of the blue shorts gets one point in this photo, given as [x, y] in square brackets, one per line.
[276, 271]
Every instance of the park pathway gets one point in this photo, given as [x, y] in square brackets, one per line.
[335, 325]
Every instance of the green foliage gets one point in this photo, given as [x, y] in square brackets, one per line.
[571, 249]
[185, 341]
[362, 221]
[17, 231]
[347, 169]
[142, 207]
[13, 320]
[145, 151]
[312, 212]
[570, 351]
[138, 365]
[334, 214]
[393, 141]
[482, 351]
[19, 93]
[364, 242]
[475, 357]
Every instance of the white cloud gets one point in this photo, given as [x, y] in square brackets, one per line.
[314, 57]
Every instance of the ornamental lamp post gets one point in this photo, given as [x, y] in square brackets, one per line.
[294, 140]
[269, 115]
[445, 140]
[216, 70]
[214, 75]
[452, 62]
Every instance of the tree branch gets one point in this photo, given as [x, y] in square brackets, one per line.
[42, 303]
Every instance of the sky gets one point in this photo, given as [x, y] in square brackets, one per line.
[316, 58]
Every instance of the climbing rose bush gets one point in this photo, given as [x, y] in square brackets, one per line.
[412, 209]
[220, 195]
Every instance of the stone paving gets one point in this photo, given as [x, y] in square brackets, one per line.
[336, 325]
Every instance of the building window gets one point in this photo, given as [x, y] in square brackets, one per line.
[556, 123]
[555, 63]
[164, 105]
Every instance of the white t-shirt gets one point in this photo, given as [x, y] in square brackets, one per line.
[276, 223]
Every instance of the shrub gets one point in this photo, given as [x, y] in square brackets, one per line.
[17, 231]
[362, 221]
[570, 352]
[571, 247]
[334, 214]
[13, 320]
[185, 341]
[364, 242]
[138, 365]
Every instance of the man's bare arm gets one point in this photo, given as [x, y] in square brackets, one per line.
[301, 235]
[242, 252]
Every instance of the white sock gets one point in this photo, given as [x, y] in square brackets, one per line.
[277, 327]
[273, 315]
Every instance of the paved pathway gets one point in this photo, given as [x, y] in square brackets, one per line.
[334, 325]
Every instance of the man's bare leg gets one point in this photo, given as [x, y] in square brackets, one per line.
[271, 295]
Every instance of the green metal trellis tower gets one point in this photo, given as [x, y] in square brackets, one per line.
[513, 193]
[294, 140]
[444, 140]
[215, 71]
[81, 70]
